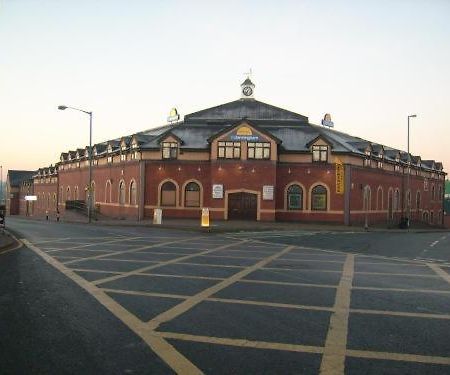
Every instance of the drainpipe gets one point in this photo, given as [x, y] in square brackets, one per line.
[347, 190]
[141, 208]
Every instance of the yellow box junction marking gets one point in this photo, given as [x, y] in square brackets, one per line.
[333, 359]
[159, 345]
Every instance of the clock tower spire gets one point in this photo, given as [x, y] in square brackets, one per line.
[247, 88]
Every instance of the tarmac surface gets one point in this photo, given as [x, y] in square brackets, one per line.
[139, 300]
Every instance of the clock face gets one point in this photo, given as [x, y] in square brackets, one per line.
[247, 91]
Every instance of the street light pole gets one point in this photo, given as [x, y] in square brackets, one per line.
[89, 189]
[408, 192]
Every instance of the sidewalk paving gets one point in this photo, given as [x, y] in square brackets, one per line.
[223, 226]
[5, 240]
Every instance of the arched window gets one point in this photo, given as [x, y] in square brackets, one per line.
[122, 192]
[431, 217]
[390, 204]
[108, 192]
[433, 193]
[61, 193]
[48, 200]
[168, 194]
[367, 195]
[192, 195]
[397, 200]
[425, 216]
[418, 200]
[133, 192]
[75, 193]
[319, 198]
[408, 199]
[380, 198]
[294, 197]
[68, 193]
[54, 200]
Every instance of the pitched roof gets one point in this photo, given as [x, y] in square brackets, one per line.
[244, 109]
[292, 130]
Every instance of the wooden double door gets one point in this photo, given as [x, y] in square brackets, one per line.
[242, 206]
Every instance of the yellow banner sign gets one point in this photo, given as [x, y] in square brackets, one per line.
[340, 174]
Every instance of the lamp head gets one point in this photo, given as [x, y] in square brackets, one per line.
[62, 107]
[412, 116]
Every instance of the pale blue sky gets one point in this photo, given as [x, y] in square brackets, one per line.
[368, 63]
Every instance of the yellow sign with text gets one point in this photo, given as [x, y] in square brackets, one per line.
[340, 175]
[205, 217]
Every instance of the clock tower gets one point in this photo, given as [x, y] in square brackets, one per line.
[247, 89]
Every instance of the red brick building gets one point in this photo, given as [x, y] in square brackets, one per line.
[14, 191]
[247, 160]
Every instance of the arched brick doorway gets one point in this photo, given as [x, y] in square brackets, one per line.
[242, 206]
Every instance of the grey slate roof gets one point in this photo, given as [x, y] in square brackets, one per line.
[17, 177]
[293, 131]
[244, 108]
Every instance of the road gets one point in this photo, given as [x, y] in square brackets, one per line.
[135, 300]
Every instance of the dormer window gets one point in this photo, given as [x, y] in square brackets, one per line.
[134, 155]
[123, 157]
[397, 164]
[109, 158]
[229, 150]
[123, 147]
[367, 158]
[134, 145]
[258, 150]
[319, 153]
[169, 150]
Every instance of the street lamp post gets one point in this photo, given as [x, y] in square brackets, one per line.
[89, 190]
[408, 177]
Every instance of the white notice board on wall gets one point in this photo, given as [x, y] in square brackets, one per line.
[268, 192]
[217, 191]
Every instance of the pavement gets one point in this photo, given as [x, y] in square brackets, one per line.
[143, 300]
[6, 241]
[224, 226]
